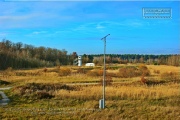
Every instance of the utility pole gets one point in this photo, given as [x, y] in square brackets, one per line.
[104, 72]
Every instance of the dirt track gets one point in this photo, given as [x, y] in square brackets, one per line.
[5, 99]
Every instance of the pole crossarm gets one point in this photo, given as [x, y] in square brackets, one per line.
[105, 37]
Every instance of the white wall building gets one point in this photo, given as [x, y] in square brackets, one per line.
[89, 64]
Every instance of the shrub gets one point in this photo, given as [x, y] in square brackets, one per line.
[143, 70]
[112, 67]
[170, 76]
[82, 70]
[142, 67]
[45, 70]
[126, 72]
[43, 95]
[143, 80]
[95, 73]
[157, 71]
[65, 71]
[39, 90]
[2, 82]
[20, 73]
[111, 74]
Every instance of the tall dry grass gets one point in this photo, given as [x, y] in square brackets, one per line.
[118, 92]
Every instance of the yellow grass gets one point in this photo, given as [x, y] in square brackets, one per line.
[124, 99]
[163, 68]
[117, 92]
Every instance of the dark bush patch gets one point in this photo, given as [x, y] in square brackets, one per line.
[43, 95]
[112, 67]
[154, 82]
[2, 82]
[20, 73]
[40, 90]
[82, 70]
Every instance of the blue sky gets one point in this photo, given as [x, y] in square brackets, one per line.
[79, 26]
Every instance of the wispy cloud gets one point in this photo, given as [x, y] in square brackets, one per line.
[39, 32]
[3, 34]
[13, 18]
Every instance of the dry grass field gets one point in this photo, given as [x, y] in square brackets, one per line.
[52, 93]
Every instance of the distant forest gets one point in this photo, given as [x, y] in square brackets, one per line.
[23, 56]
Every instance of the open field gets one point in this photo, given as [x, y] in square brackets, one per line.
[43, 93]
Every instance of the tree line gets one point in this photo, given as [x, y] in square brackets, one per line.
[19, 55]
[173, 60]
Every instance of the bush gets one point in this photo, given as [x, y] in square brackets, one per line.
[82, 70]
[43, 95]
[2, 82]
[20, 73]
[143, 80]
[112, 67]
[39, 90]
[95, 73]
[45, 70]
[170, 76]
[128, 72]
[111, 74]
[64, 72]
[143, 70]
[157, 71]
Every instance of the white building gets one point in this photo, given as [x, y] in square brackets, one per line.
[79, 60]
[89, 64]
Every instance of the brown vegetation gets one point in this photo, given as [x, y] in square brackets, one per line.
[126, 97]
[95, 72]
[170, 76]
[64, 71]
[143, 80]
[40, 91]
[157, 71]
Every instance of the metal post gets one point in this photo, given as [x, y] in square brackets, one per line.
[104, 72]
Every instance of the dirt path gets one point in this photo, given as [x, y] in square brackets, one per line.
[5, 99]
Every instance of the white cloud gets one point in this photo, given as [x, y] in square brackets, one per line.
[99, 26]
[12, 18]
[3, 34]
[39, 32]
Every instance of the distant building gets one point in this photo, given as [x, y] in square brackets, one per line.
[79, 60]
[89, 64]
